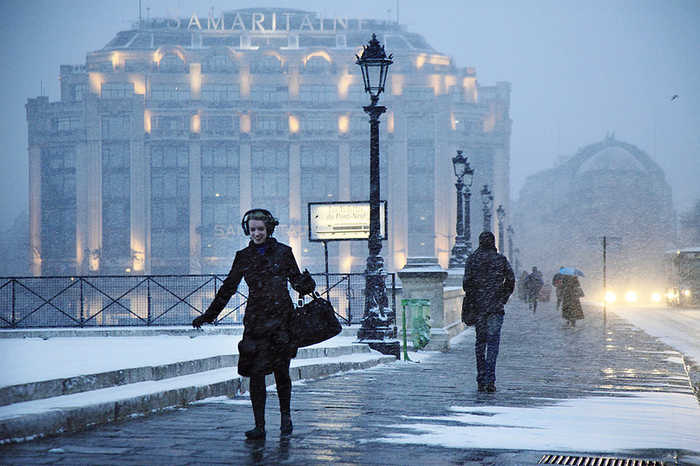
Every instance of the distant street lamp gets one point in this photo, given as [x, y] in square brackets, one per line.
[486, 206]
[501, 214]
[516, 264]
[463, 246]
[378, 317]
[510, 243]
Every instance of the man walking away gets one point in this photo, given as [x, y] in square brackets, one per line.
[488, 283]
[533, 285]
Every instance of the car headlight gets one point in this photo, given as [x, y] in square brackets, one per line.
[610, 297]
[686, 293]
[656, 297]
[631, 296]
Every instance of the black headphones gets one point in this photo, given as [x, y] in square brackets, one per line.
[270, 221]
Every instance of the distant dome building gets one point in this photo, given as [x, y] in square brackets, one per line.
[609, 188]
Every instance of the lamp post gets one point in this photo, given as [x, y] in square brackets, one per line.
[501, 214]
[462, 247]
[486, 206]
[516, 263]
[510, 243]
[377, 319]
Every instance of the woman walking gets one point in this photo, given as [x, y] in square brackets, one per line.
[265, 348]
[571, 291]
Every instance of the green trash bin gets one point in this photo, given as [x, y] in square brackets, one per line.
[419, 310]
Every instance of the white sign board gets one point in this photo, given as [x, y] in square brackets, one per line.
[338, 221]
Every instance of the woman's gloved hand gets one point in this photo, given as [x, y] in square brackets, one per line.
[198, 321]
[305, 284]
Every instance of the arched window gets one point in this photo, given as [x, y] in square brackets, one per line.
[171, 63]
[317, 65]
[266, 64]
[219, 63]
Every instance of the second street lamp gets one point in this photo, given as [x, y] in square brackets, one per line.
[486, 206]
[378, 318]
[462, 247]
[501, 215]
[510, 243]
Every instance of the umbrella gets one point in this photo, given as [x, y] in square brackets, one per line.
[571, 271]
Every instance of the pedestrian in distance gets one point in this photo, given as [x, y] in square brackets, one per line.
[266, 346]
[488, 283]
[522, 292]
[558, 283]
[533, 285]
[571, 309]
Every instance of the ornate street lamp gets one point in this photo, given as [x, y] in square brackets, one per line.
[376, 329]
[462, 247]
[501, 214]
[486, 206]
[510, 243]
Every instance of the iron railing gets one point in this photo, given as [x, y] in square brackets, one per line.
[145, 300]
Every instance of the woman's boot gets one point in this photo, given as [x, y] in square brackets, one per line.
[258, 395]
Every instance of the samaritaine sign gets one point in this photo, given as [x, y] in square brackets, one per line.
[338, 221]
[265, 21]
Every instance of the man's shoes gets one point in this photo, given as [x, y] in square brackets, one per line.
[286, 426]
[482, 387]
[491, 388]
[256, 433]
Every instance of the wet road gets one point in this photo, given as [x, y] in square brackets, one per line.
[404, 413]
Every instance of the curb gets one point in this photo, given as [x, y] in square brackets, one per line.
[73, 419]
[693, 371]
[83, 383]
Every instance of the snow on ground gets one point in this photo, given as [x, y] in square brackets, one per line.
[585, 424]
[35, 359]
[678, 328]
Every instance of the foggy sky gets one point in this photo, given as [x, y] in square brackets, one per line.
[578, 70]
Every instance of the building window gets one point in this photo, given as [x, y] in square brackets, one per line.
[219, 63]
[269, 94]
[170, 213]
[318, 94]
[58, 210]
[171, 63]
[220, 93]
[116, 127]
[266, 64]
[221, 234]
[270, 123]
[170, 92]
[169, 126]
[79, 92]
[418, 93]
[66, 124]
[117, 90]
[319, 123]
[224, 125]
[270, 184]
[317, 65]
[116, 208]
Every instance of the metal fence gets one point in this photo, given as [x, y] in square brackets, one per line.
[145, 300]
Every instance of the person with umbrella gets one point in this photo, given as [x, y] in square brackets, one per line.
[571, 309]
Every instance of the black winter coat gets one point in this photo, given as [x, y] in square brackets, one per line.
[488, 280]
[266, 343]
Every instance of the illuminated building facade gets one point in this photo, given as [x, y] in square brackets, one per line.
[176, 127]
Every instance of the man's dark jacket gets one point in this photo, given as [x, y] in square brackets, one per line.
[266, 343]
[488, 278]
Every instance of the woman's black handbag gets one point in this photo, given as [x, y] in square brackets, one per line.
[313, 322]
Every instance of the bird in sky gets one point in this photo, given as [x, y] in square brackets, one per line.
[674, 97]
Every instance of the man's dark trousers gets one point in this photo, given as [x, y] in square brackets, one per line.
[488, 338]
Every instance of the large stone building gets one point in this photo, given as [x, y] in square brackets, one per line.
[609, 188]
[164, 137]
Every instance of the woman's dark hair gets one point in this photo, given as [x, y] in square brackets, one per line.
[259, 214]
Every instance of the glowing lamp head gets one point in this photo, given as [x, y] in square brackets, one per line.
[374, 64]
[610, 297]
